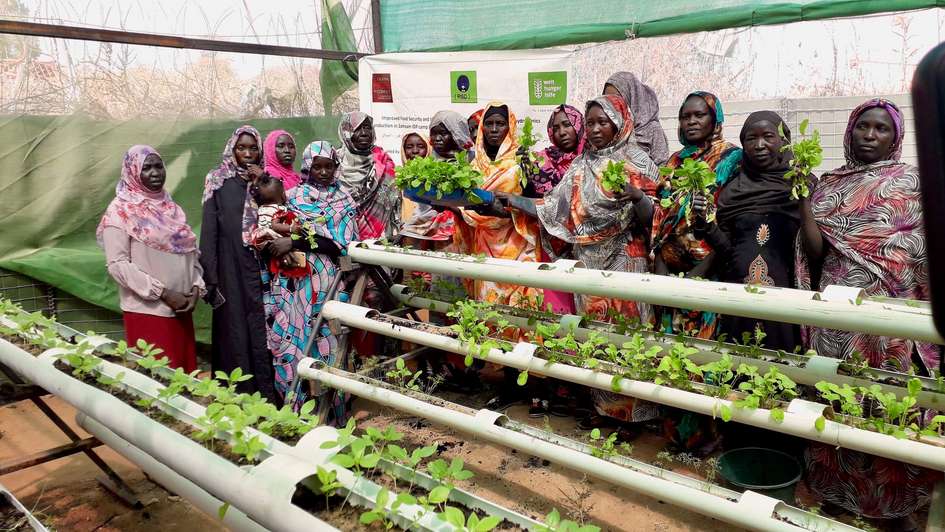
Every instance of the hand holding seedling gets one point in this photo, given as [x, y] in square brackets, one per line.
[700, 206]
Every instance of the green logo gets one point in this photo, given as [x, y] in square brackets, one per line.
[463, 86]
[547, 88]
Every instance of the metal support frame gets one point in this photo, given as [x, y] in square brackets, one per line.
[110, 480]
[168, 41]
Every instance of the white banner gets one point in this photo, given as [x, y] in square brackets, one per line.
[403, 91]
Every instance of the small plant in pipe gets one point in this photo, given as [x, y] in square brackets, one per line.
[379, 513]
[764, 391]
[554, 523]
[455, 517]
[83, 364]
[471, 327]
[448, 473]
[403, 377]
[807, 153]
[603, 447]
[233, 379]
[327, 483]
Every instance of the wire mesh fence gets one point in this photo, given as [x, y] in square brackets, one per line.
[69, 310]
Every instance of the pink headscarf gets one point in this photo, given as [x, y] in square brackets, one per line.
[274, 166]
[151, 218]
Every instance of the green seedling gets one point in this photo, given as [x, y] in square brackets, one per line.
[554, 523]
[808, 154]
[614, 177]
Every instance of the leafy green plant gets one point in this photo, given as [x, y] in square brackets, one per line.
[448, 473]
[111, 382]
[526, 141]
[403, 377]
[441, 177]
[691, 178]
[83, 364]
[808, 154]
[379, 513]
[675, 368]
[455, 517]
[554, 523]
[603, 447]
[472, 327]
[233, 379]
[327, 483]
[764, 391]
[614, 177]
[249, 447]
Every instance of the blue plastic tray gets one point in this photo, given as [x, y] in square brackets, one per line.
[454, 199]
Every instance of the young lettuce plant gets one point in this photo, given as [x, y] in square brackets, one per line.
[808, 154]
[455, 517]
[691, 178]
[614, 177]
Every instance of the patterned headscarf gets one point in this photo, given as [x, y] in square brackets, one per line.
[274, 166]
[895, 150]
[228, 169]
[403, 143]
[152, 218]
[357, 167]
[645, 107]
[456, 125]
[319, 148]
[556, 162]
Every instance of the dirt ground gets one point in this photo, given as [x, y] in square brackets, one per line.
[64, 493]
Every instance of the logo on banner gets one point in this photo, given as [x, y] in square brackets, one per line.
[463, 86]
[380, 89]
[547, 88]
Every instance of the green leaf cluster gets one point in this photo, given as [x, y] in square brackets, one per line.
[427, 174]
[808, 154]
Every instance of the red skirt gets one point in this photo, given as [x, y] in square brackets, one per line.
[174, 335]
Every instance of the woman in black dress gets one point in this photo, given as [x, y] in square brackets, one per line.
[756, 225]
[231, 268]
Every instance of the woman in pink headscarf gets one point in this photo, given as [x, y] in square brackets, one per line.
[279, 154]
[151, 253]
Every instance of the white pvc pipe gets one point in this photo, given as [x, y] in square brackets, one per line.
[799, 417]
[777, 304]
[753, 511]
[222, 479]
[817, 368]
[234, 519]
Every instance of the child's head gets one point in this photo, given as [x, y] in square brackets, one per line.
[268, 191]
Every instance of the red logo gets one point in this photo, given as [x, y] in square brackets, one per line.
[380, 89]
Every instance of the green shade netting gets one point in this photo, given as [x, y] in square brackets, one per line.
[421, 25]
[57, 175]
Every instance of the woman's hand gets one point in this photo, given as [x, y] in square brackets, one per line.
[254, 171]
[174, 299]
[191, 301]
[631, 192]
[699, 207]
[279, 246]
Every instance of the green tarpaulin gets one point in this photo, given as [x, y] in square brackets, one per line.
[420, 25]
[59, 173]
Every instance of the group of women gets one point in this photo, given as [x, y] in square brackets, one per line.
[861, 226]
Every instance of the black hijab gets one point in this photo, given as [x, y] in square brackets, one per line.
[756, 191]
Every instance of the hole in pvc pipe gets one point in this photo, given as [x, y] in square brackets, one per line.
[544, 266]
[372, 314]
[361, 245]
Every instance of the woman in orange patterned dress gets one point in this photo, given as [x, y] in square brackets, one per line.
[493, 230]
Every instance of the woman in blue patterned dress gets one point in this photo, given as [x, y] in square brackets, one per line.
[327, 217]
